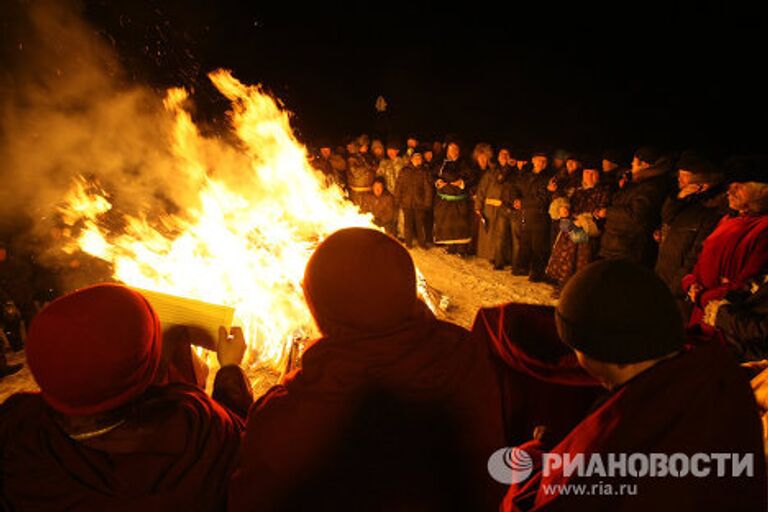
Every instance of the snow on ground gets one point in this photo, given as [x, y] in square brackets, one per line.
[19, 382]
[469, 285]
[472, 283]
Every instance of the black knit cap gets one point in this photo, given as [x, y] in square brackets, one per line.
[617, 311]
[696, 163]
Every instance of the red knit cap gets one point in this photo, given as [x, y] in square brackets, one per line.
[360, 280]
[94, 349]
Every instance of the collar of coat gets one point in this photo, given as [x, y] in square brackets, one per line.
[663, 166]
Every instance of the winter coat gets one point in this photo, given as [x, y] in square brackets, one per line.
[489, 202]
[476, 175]
[743, 324]
[382, 207]
[331, 175]
[414, 189]
[686, 223]
[391, 169]
[568, 256]
[359, 175]
[611, 178]
[452, 204]
[634, 215]
[535, 199]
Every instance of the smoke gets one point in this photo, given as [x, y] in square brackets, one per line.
[67, 109]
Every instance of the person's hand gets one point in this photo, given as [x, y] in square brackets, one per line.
[657, 235]
[552, 185]
[231, 348]
[439, 183]
[694, 291]
[517, 204]
[458, 183]
[564, 212]
[601, 213]
[688, 190]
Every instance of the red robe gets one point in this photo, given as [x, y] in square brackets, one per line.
[175, 451]
[699, 401]
[736, 251]
[387, 421]
[541, 382]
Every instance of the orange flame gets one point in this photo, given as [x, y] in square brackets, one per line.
[244, 240]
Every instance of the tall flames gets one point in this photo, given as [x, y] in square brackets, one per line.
[243, 238]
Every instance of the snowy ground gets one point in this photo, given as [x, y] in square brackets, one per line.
[469, 285]
[472, 283]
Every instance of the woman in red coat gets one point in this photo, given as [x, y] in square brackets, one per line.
[737, 250]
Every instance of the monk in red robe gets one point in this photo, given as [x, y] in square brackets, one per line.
[625, 330]
[391, 408]
[107, 431]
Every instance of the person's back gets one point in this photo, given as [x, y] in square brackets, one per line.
[172, 449]
[107, 432]
[635, 211]
[391, 410]
[670, 416]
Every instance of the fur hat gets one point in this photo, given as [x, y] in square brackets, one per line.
[554, 207]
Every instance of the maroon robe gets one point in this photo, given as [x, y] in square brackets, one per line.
[403, 420]
[699, 401]
[175, 451]
[541, 382]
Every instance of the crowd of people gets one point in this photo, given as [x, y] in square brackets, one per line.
[546, 214]
[658, 345]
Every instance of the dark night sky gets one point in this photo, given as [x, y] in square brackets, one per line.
[583, 79]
